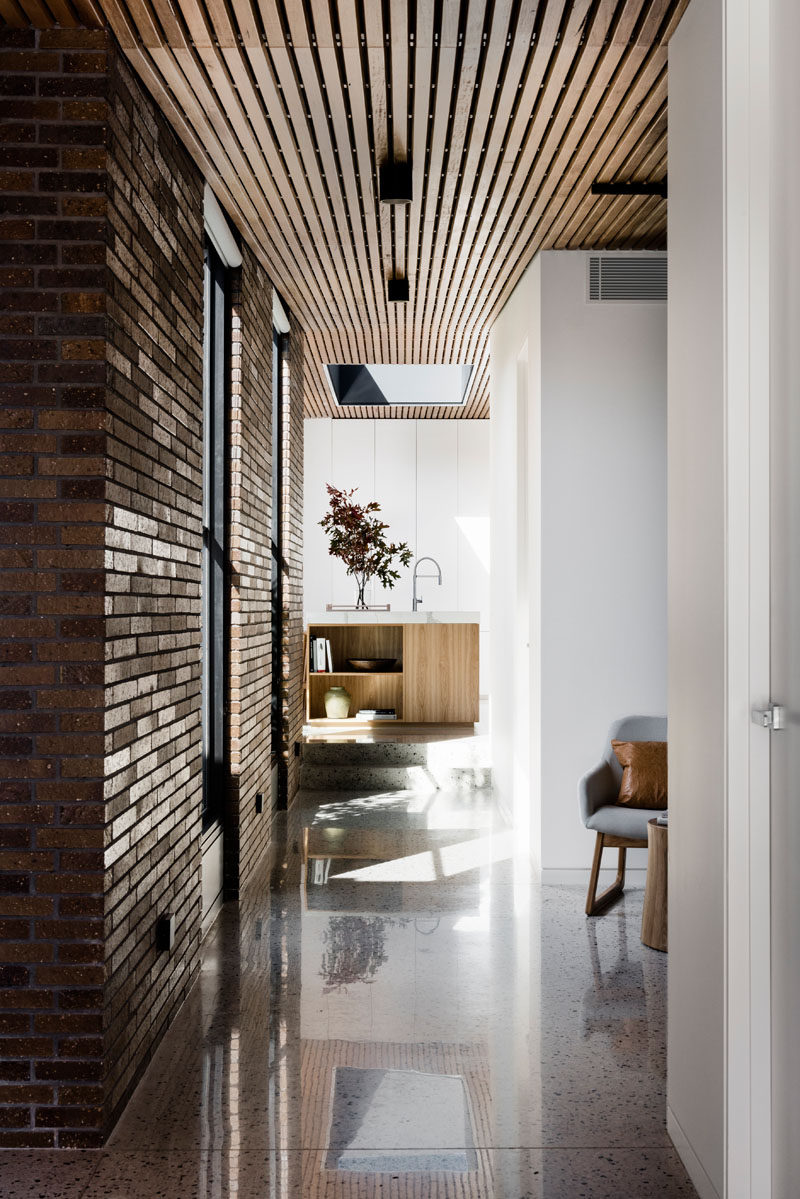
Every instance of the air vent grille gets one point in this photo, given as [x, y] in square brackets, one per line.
[628, 279]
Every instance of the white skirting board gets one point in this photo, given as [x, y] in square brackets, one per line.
[634, 876]
[694, 1167]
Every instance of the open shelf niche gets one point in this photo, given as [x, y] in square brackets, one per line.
[368, 689]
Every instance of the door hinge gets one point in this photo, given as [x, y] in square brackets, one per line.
[772, 718]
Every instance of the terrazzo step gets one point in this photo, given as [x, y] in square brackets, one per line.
[351, 753]
[331, 776]
[423, 778]
[459, 764]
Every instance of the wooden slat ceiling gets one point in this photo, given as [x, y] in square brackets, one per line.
[508, 112]
[44, 14]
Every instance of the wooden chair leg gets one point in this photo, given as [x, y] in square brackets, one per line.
[595, 904]
[593, 877]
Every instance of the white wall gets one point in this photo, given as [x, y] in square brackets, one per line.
[595, 465]
[431, 478]
[695, 1070]
[604, 530]
[515, 645]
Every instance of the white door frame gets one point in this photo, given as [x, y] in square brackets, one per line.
[748, 1122]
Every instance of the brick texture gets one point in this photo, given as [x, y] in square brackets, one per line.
[53, 517]
[101, 247]
[293, 658]
[153, 556]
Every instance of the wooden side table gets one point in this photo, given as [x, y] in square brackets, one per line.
[654, 915]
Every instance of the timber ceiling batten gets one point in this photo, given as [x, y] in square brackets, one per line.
[43, 14]
[507, 111]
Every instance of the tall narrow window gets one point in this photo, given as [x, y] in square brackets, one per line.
[214, 602]
[276, 538]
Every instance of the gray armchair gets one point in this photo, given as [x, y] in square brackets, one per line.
[616, 826]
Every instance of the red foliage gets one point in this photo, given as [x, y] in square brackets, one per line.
[357, 536]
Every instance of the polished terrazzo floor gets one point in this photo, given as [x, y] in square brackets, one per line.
[399, 1013]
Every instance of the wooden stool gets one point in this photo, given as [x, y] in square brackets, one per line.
[654, 915]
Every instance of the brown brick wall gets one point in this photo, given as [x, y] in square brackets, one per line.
[153, 543]
[100, 533]
[52, 583]
[293, 660]
[246, 832]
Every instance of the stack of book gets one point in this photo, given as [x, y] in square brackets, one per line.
[321, 657]
[376, 714]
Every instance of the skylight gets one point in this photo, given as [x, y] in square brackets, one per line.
[375, 384]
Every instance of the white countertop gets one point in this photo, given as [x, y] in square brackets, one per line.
[421, 617]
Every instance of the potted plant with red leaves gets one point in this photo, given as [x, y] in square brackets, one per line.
[358, 537]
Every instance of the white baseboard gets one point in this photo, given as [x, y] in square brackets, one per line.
[694, 1167]
[634, 876]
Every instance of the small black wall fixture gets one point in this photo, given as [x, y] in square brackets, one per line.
[397, 291]
[657, 188]
[394, 183]
[165, 933]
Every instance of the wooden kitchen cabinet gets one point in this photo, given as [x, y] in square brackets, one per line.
[433, 678]
[440, 673]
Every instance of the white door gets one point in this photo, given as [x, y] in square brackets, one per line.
[785, 596]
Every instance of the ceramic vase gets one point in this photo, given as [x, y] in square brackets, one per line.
[337, 703]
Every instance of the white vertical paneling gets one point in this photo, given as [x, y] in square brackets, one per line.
[396, 492]
[437, 503]
[431, 479]
[472, 519]
[352, 465]
[317, 581]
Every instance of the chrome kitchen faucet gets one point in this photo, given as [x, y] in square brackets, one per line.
[417, 599]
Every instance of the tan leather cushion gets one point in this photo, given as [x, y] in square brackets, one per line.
[644, 773]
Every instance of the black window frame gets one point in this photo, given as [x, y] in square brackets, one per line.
[279, 353]
[215, 600]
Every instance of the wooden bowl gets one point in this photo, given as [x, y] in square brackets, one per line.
[372, 664]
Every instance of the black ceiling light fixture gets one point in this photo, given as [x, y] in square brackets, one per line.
[397, 291]
[656, 188]
[394, 182]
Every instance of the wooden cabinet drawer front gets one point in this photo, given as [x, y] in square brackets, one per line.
[440, 672]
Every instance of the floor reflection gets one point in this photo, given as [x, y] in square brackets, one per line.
[399, 1012]
[624, 1007]
[355, 950]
